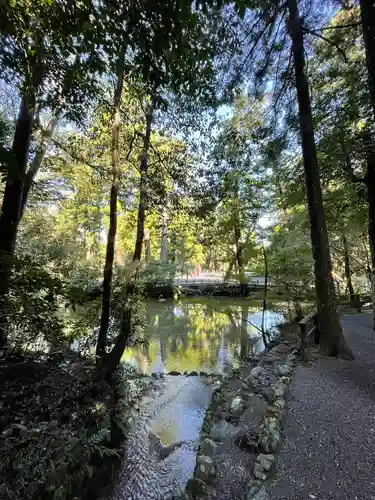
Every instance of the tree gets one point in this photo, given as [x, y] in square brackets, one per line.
[116, 176]
[265, 26]
[239, 180]
[344, 115]
[368, 27]
[331, 340]
[41, 49]
[176, 76]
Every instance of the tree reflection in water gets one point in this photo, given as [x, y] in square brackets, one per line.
[206, 334]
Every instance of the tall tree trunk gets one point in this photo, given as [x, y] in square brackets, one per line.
[331, 337]
[111, 236]
[348, 272]
[370, 184]
[143, 183]
[368, 27]
[12, 203]
[37, 160]
[114, 357]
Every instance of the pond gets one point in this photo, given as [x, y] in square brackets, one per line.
[190, 335]
[201, 334]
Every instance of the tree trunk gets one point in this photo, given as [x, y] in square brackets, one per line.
[37, 161]
[12, 202]
[332, 340]
[265, 290]
[114, 357]
[143, 184]
[370, 184]
[348, 272]
[111, 236]
[368, 27]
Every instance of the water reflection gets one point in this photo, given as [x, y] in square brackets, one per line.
[204, 335]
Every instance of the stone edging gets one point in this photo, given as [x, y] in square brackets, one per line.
[270, 379]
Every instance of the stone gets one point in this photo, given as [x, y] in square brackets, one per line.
[270, 359]
[193, 374]
[222, 431]
[266, 461]
[195, 488]
[247, 442]
[154, 375]
[258, 377]
[279, 403]
[285, 380]
[208, 447]
[291, 358]
[237, 407]
[269, 440]
[259, 473]
[203, 374]
[205, 468]
[281, 349]
[248, 395]
[221, 414]
[258, 371]
[284, 369]
[268, 394]
[257, 492]
[279, 389]
[174, 373]
[274, 412]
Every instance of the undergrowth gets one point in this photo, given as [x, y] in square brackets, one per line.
[54, 429]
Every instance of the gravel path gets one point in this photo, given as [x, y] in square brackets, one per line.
[329, 434]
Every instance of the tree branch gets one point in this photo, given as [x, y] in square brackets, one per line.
[327, 40]
[99, 168]
[351, 25]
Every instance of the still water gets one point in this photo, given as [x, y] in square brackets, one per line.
[208, 335]
[200, 334]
